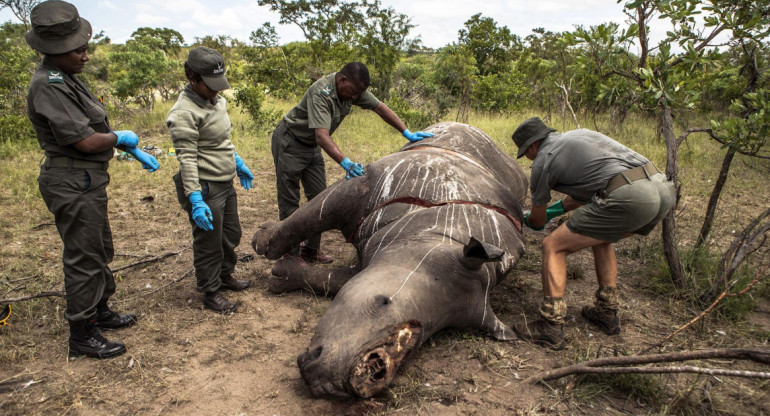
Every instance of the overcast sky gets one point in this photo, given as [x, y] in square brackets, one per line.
[437, 21]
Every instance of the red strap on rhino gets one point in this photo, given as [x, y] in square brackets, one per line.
[423, 203]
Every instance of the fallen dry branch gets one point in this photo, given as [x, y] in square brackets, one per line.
[597, 366]
[706, 311]
[145, 261]
[187, 273]
[39, 295]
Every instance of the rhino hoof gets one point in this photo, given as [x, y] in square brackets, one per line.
[287, 275]
[261, 239]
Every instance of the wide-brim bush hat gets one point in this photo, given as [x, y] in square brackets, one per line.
[57, 28]
[528, 132]
[210, 65]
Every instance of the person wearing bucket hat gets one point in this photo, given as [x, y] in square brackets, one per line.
[614, 193]
[200, 129]
[306, 130]
[72, 128]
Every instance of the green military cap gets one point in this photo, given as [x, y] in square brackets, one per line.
[528, 132]
[210, 65]
[57, 28]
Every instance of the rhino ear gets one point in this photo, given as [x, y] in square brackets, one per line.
[476, 253]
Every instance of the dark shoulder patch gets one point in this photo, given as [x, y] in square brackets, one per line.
[55, 77]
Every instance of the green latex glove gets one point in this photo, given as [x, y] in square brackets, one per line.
[554, 210]
[526, 222]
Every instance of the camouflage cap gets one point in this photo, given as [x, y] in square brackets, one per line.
[57, 28]
[210, 65]
[528, 132]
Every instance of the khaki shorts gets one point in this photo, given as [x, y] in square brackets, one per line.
[633, 208]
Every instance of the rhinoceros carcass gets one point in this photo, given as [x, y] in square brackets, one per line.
[436, 226]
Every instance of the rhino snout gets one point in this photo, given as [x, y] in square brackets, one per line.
[377, 366]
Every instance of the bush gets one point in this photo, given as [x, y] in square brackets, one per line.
[251, 99]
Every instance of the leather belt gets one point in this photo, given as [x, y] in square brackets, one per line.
[631, 175]
[68, 162]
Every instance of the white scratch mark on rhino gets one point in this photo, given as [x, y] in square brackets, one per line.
[486, 295]
[330, 193]
[497, 228]
[414, 270]
[395, 238]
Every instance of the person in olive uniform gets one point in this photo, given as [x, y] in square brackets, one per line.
[614, 192]
[72, 128]
[306, 130]
[200, 129]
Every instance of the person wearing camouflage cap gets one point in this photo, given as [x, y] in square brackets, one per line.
[614, 193]
[200, 129]
[72, 128]
[306, 130]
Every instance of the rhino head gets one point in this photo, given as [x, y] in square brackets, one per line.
[390, 308]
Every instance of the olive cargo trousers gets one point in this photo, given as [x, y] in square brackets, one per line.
[78, 200]
[295, 163]
[213, 251]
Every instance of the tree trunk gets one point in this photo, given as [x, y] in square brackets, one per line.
[711, 209]
[672, 170]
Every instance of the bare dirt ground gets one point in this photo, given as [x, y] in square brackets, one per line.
[184, 360]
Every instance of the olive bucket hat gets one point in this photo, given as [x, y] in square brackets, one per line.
[210, 65]
[57, 28]
[528, 132]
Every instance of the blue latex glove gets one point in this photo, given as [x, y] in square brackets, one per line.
[201, 212]
[352, 169]
[416, 136]
[148, 161]
[243, 172]
[126, 138]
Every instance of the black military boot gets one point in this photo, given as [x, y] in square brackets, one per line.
[607, 320]
[542, 333]
[217, 303]
[231, 283]
[85, 339]
[107, 319]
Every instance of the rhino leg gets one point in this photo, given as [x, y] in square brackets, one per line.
[335, 208]
[497, 329]
[288, 274]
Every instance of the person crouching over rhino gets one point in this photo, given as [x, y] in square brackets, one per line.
[200, 129]
[306, 130]
[614, 191]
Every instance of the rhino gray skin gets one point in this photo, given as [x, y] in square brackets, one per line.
[436, 226]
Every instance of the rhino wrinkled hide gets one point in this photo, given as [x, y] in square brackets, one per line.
[436, 226]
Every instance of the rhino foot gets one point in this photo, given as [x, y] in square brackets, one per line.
[261, 240]
[375, 369]
[287, 275]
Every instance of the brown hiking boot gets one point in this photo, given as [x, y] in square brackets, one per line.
[313, 255]
[217, 303]
[608, 322]
[231, 283]
[542, 333]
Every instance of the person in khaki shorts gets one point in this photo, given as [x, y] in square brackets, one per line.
[615, 193]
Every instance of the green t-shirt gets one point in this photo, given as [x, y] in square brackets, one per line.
[321, 108]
